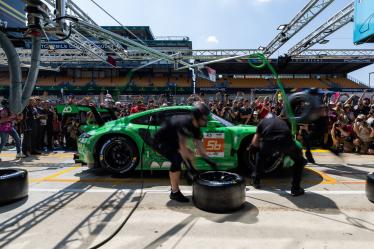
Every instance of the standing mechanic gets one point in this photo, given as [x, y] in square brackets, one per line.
[273, 134]
[171, 142]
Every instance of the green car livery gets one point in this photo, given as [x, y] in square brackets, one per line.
[121, 145]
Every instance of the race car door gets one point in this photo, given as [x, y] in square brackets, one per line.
[217, 141]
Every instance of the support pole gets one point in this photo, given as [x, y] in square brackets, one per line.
[193, 80]
[15, 72]
[34, 70]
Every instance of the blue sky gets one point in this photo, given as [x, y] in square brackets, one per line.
[223, 24]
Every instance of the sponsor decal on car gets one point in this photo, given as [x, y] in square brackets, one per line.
[214, 144]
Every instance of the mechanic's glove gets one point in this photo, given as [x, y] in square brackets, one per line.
[253, 149]
[211, 163]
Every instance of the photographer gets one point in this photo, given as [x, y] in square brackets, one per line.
[235, 112]
[363, 132]
[227, 113]
[342, 135]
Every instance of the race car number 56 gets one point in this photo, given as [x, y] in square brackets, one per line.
[214, 144]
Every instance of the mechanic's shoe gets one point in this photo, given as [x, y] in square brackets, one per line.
[256, 183]
[20, 155]
[297, 191]
[309, 157]
[179, 197]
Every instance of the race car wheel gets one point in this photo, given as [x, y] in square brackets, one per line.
[272, 165]
[370, 187]
[218, 191]
[118, 155]
[13, 185]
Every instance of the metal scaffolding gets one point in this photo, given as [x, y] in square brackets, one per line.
[338, 21]
[62, 56]
[287, 31]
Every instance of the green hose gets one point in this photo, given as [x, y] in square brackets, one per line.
[265, 63]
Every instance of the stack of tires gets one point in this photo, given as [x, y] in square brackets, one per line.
[13, 185]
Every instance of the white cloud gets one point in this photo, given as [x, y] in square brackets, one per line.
[211, 39]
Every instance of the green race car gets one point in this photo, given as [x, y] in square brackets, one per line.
[120, 146]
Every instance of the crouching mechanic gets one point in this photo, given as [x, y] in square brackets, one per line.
[171, 142]
[274, 135]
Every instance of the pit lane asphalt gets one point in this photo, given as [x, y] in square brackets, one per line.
[71, 207]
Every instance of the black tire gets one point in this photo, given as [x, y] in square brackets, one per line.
[303, 106]
[118, 155]
[14, 185]
[273, 165]
[218, 191]
[370, 187]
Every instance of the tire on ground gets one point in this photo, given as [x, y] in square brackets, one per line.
[118, 155]
[13, 185]
[370, 187]
[218, 192]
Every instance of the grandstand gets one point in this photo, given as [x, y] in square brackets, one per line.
[232, 76]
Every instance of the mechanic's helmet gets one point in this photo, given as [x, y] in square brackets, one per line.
[200, 110]
[5, 103]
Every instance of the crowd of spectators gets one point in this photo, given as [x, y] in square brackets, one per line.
[349, 119]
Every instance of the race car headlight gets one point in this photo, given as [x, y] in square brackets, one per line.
[85, 135]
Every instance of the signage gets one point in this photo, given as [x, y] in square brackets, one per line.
[364, 22]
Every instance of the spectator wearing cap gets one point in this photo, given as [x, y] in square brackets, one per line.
[108, 101]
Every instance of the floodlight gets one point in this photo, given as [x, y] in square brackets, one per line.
[282, 27]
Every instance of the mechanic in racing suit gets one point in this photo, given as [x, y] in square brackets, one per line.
[171, 142]
[274, 135]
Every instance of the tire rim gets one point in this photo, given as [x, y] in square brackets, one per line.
[219, 177]
[269, 167]
[118, 156]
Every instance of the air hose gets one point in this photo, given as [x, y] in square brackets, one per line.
[141, 196]
[264, 62]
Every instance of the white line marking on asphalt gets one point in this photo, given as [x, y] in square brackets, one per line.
[167, 191]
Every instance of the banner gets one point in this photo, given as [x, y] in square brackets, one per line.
[207, 73]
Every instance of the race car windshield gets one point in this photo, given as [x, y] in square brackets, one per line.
[222, 121]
